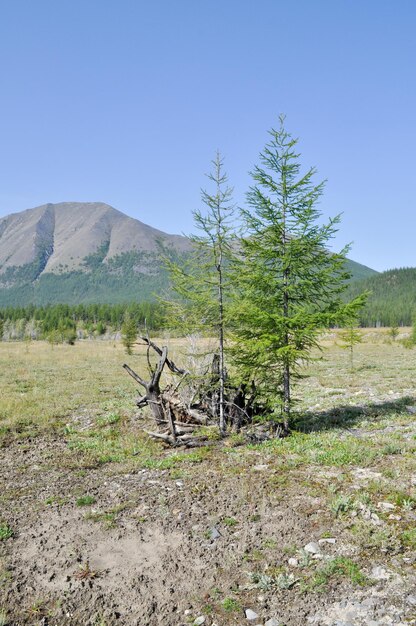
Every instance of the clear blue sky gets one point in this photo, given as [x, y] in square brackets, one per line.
[126, 101]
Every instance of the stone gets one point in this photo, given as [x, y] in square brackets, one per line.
[386, 506]
[199, 620]
[411, 600]
[293, 562]
[328, 540]
[362, 473]
[260, 468]
[375, 519]
[386, 619]
[379, 573]
[312, 548]
[251, 615]
[214, 533]
[272, 622]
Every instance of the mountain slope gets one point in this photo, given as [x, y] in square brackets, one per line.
[392, 297]
[86, 252]
[60, 236]
[358, 271]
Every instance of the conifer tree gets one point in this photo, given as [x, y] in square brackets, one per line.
[288, 284]
[201, 281]
[351, 336]
[128, 332]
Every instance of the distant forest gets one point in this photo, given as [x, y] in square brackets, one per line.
[392, 298]
[88, 320]
[391, 302]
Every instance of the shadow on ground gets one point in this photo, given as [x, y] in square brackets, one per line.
[347, 416]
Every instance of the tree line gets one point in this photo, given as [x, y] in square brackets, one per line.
[70, 321]
[391, 300]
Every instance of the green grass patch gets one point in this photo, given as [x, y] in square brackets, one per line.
[408, 538]
[326, 448]
[5, 531]
[231, 605]
[338, 568]
[85, 501]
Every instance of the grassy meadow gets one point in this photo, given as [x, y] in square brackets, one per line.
[74, 453]
[83, 393]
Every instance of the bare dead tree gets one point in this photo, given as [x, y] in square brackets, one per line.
[178, 421]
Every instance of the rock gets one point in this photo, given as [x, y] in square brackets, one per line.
[386, 620]
[272, 622]
[251, 615]
[379, 573]
[362, 473]
[327, 540]
[199, 620]
[375, 519]
[395, 517]
[293, 562]
[179, 483]
[386, 506]
[411, 600]
[214, 533]
[260, 467]
[312, 548]
[187, 612]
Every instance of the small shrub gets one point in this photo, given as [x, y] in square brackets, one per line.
[5, 531]
[230, 605]
[341, 504]
[339, 567]
[85, 501]
[408, 538]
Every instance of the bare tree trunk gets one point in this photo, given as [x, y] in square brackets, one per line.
[221, 347]
[153, 396]
[286, 366]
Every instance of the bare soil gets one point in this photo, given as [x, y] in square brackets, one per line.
[144, 552]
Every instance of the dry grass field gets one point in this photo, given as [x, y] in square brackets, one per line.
[101, 526]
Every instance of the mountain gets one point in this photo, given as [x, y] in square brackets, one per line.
[358, 271]
[391, 300]
[86, 252]
[57, 236]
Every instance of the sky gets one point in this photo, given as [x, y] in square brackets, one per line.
[127, 101]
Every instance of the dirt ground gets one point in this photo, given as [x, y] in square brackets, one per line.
[164, 547]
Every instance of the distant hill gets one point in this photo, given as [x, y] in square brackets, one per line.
[87, 252]
[392, 299]
[358, 271]
[80, 252]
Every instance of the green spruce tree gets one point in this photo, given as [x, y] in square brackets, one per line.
[350, 337]
[288, 284]
[128, 332]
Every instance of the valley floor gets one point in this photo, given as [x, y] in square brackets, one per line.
[100, 526]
